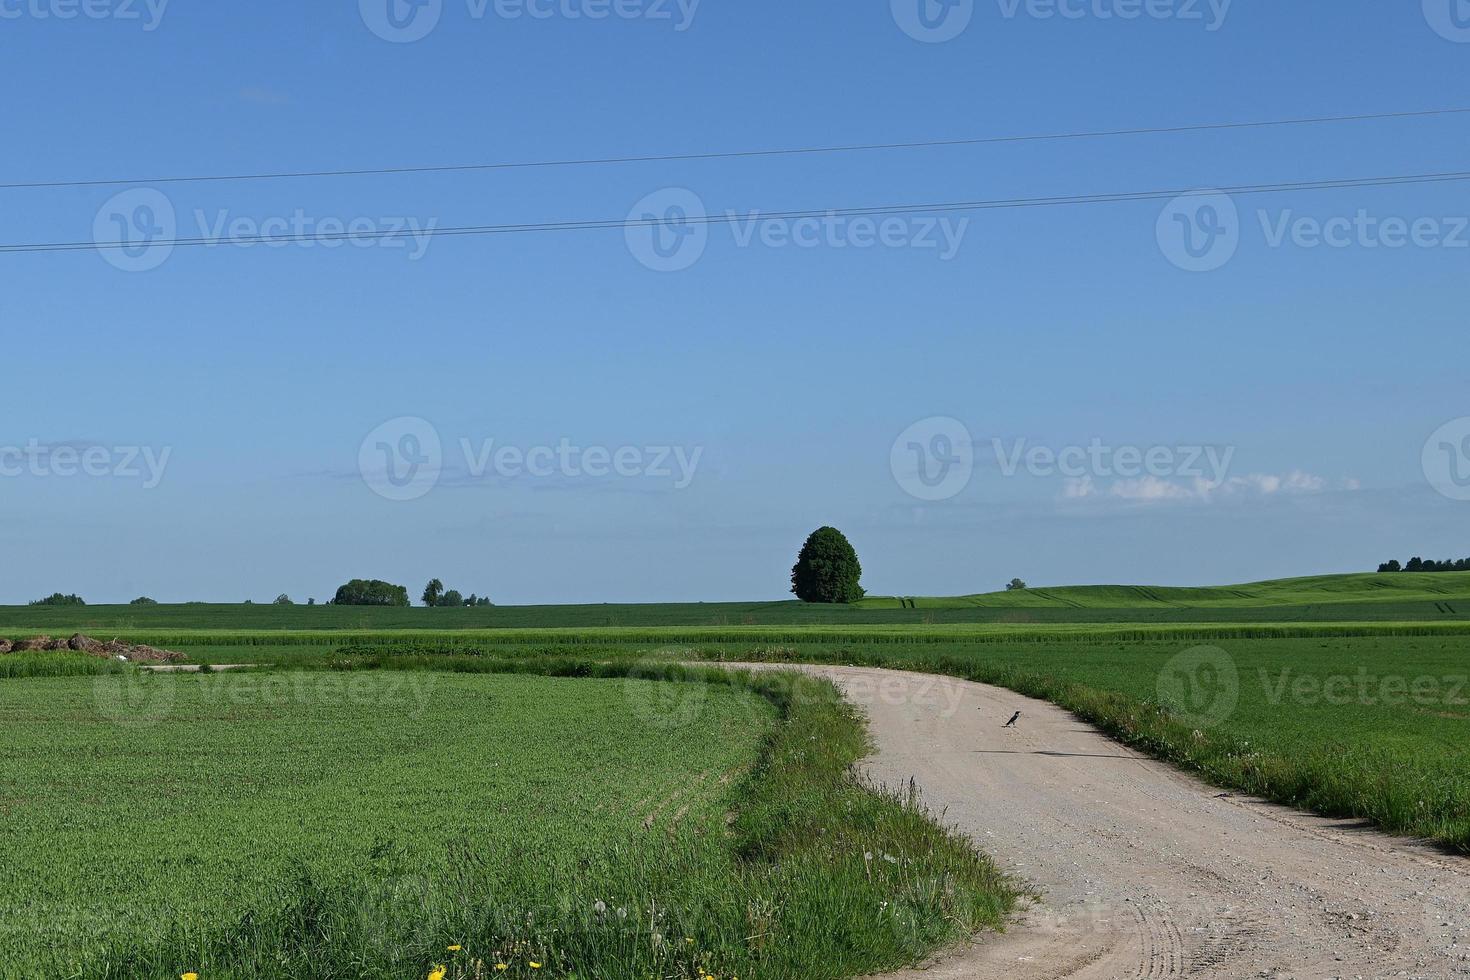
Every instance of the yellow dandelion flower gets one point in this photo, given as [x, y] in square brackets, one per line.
[455, 948]
[502, 967]
[188, 976]
[437, 973]
[535, 965]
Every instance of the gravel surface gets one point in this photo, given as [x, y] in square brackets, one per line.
[1144, 871]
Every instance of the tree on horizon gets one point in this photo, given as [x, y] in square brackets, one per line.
[827, 570]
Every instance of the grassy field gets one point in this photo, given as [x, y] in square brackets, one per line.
[1374, 726]
[1332, 598]
[341, 823]
[1401, 589]
[494, 780]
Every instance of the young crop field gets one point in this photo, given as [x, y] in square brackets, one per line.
[1417, 597]
[340, 823]
[1347, 725]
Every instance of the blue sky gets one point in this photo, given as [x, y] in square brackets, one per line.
[783, 373]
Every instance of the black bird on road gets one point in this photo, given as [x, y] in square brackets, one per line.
[1012, 723]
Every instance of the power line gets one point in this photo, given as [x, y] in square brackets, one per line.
[740, 154]
[731, 218]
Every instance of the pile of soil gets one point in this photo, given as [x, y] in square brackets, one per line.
[80, 643]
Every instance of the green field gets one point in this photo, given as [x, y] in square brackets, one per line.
[1404, 597]
[154, 825]
[1374, 726]
[359, 823]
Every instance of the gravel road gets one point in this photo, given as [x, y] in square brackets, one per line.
[1145, 871]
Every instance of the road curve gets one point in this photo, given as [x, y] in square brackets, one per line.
[1145, 871]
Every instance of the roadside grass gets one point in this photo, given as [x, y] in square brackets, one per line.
[620, 820]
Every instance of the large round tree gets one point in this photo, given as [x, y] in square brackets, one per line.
[827, 570]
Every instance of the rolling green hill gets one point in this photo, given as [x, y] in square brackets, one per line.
[1376, 598]
[1404, 587]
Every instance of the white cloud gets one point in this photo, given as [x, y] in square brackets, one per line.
[1153, 489]
[1079, 488]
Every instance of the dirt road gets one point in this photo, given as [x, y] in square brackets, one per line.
[1147, 872]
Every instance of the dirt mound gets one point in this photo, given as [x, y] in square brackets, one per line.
[81, 643]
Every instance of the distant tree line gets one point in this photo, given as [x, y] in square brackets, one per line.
[1423, 565]
[436, 596]
[358, 592]
[57, 599]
